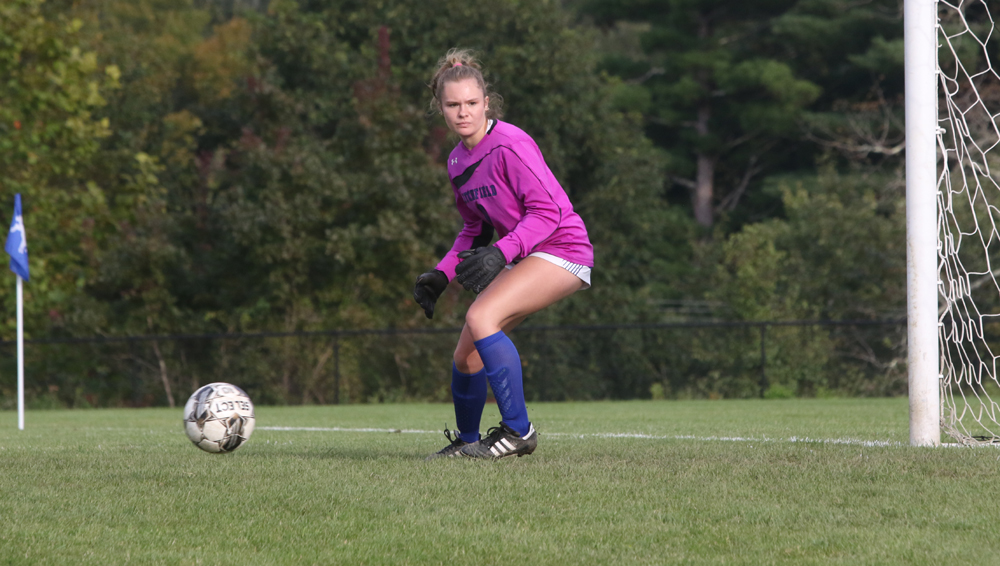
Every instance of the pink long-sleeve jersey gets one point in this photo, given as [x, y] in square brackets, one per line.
[504, 183]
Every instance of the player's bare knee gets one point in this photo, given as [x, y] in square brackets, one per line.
[480, 321]
[467, 362]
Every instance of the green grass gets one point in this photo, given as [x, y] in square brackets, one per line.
[127, 487]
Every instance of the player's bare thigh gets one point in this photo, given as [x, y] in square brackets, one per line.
[528, 287]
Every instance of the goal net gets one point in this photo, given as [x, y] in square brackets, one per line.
[968, 221]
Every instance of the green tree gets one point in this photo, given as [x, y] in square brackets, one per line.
[715, 90]
[839, 255]
[855, 53]
[52, 95]
[146, 165]
[50, 134]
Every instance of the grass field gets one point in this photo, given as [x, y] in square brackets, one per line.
[645, 482]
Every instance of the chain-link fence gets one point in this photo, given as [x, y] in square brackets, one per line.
[624, 361]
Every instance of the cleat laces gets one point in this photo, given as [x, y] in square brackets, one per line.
[456, 444]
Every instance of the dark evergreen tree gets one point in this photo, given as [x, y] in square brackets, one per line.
[717, 93]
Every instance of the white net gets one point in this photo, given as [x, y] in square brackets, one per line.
[968, 217]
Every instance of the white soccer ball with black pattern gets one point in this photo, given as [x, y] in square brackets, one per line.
[219, 417]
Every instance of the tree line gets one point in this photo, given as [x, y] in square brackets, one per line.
[237, 166]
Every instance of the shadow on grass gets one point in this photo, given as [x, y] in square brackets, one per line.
[347, 453]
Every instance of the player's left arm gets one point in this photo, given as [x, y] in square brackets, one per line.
[531, 181]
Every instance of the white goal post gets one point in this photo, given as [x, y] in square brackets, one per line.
[920, 44]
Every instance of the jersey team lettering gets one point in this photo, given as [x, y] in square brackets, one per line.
[479, 192]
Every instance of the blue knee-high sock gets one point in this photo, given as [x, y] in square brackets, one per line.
[503, 370]
[468, 391]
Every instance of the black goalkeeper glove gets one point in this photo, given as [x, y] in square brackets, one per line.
[479, 267]
[429, 287]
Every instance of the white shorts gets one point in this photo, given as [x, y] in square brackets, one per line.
[581, 271]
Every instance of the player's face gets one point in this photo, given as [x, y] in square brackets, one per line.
[464, 106]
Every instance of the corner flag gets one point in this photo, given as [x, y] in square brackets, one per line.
[17, 244]
[17, 247]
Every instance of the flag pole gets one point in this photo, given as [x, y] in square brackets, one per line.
[17, 248]
[20, 354]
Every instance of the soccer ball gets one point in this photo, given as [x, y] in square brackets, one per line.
[219, 417]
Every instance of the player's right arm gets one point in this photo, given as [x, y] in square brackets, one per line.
[430, 285]
[474, 234]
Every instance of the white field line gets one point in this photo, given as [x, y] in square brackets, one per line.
[748, 439]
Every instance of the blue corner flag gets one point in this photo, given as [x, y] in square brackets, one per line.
[17, 244]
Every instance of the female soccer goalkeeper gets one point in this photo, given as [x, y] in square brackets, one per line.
[543, 254]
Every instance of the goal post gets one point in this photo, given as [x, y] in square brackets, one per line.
[920, 47]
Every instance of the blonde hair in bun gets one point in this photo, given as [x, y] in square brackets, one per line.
[457, 65]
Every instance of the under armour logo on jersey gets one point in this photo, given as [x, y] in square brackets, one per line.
[453, 161]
